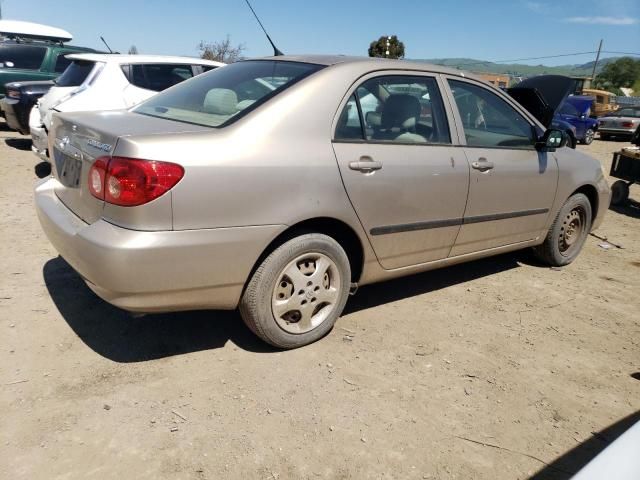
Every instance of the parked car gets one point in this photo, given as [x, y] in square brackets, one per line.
[576, 110]
[109, 82]
[566, 128]
[34, 60]
[220, 193]
[621, 123]
[619, 460]
[20, 98]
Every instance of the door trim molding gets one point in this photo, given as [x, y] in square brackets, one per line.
[452, 222]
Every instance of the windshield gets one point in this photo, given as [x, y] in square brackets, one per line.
[75, 74]
[627, 112]
[217, 98]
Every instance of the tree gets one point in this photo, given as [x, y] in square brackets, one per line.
[387, 47]
[623, 72]
[221, 51]
[133, 50]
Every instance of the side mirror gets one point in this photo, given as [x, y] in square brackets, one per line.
[551, 140]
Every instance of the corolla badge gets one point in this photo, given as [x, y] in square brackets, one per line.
[105, 147]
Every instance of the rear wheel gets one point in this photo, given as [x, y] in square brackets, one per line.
[619, 192]
[568, 232]
[298, 292]
[588, 136]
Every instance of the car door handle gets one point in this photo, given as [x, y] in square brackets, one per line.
[482, 164]
[365, 165]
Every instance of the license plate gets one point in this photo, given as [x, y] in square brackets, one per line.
[68, 168]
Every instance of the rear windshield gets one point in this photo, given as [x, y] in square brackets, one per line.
[28, 57]
[75, 74]
[627, 112]
[217, 98]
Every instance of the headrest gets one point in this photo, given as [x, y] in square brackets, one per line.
[374, 119]
[400, 111]
[221, 101]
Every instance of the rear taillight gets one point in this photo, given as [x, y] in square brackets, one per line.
[627, 124]
[130, 181]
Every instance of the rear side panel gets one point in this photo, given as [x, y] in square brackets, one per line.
[78, 140]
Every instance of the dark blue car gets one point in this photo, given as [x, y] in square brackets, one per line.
[576, 110]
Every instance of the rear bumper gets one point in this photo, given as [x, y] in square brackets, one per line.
[154, 271]
[14, 114]
[616, 131]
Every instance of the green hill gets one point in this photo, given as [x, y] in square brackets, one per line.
[518, 69]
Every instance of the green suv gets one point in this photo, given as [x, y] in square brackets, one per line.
[34, 60]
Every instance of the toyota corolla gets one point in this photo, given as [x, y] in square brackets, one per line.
[278, 185]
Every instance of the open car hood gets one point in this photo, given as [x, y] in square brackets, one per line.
[543, 95]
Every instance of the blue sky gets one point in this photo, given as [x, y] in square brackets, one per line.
[497, 30]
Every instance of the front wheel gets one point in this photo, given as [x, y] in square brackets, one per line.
[298, 292]
[588, 136]
[568, 232]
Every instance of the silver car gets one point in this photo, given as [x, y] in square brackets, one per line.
[279, 185]
[622, 122]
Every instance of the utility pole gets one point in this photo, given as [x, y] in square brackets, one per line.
[595, 64]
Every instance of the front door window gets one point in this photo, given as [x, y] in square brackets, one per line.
[489, 121]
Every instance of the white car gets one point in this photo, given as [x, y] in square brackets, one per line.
[108, 82]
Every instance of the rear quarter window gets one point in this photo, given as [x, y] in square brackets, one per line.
[27, 57]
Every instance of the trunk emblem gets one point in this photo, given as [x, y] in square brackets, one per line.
[105, 147]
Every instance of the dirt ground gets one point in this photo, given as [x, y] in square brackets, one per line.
[497, 369]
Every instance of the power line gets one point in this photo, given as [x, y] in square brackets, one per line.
[622, 53]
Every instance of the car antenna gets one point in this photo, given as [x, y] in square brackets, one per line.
[276, 52]
[108, 47]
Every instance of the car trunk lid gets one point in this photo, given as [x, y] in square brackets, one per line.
[78, 139]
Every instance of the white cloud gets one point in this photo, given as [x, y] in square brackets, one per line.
[604, 20]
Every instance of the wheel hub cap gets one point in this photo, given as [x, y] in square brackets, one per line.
[306, 293]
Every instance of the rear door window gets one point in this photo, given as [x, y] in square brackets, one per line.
[158, 77]
[27, 57]
[75, 74]
[395, 108]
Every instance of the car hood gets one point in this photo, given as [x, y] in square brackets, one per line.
[543, 95]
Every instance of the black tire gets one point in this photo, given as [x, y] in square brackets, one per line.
[571, 140]
[619, 192]
[605, 136]
[568, 232]
[256, 303]
[588, 137]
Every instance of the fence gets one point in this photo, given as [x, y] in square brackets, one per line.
[627, 101]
